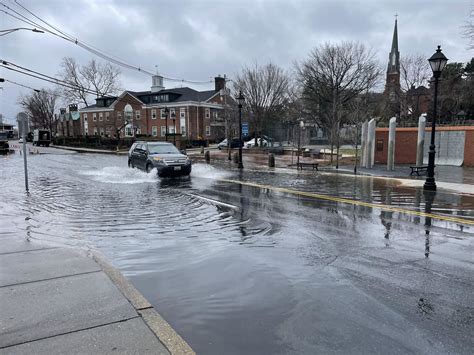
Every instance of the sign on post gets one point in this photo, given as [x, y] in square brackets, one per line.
[245, 128]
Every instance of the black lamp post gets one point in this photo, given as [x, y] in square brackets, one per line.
[240, 100]
[167, 111]
[173, 117]
[437, 62]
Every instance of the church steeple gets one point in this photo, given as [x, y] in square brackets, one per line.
[394, 56]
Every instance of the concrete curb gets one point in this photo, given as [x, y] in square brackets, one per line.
[162, 329]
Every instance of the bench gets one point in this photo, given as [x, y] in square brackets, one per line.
[418, 169]
[300, 165]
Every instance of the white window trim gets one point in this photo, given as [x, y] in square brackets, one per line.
[137, 114]
[208, 131]
[94, 117]
[101, 116]
[154, 131]
[153, 114]
[207, 112]
[163, 131]
[162, 114]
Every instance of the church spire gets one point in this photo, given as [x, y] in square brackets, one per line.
[394, 56]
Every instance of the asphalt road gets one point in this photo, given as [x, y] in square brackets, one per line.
[246, 268]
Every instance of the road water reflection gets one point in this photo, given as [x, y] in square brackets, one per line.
[238, 269]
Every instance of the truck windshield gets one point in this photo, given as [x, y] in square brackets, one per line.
[3, 136]
[162, 149]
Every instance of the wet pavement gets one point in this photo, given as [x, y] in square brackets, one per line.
[243, 269]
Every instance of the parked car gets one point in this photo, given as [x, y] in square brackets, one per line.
[20, 140]
[262, 142]
[162, 156]
[4, 146]
[222, 144]
[234, 143]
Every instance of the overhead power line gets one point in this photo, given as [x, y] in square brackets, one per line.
[47, 27]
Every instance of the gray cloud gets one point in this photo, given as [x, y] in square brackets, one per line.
[197, 40]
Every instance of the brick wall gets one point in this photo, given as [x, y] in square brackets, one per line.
[405, 144]
[469, 148]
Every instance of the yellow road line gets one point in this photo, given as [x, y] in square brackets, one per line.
[353, 202]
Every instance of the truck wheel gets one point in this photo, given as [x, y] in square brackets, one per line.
[149, 168]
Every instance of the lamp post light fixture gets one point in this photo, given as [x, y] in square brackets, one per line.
[437, 62]
[167, 112]
[10, 30]
[299, 143]
[240, 100]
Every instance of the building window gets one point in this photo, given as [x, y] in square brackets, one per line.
[119, 115]
[128, 131]
[172, 112]
[208, 113]
[107, 115]
[94, 117]
[163, 131]
[182, 113]
[138, 130]
[95, 131]
[154, 131]
[101, 117]
[137, 114]
[171, 129]
[153, 114]
[208, 131]
[107, 131]
[102, 131]
[215, 115]
[183, 130]
[162, 114]
[85, 117]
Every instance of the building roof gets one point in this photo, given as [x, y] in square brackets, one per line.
[394, 56]
[182, 94]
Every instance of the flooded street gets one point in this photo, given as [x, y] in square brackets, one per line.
[240, 269]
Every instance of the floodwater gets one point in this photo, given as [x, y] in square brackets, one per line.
[238, 269]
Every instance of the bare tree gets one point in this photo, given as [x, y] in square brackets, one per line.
[414, 71]
[103, 79]
[40, 107]
[332, 76]
[265, 90]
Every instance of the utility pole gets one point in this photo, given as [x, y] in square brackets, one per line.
[24, 120]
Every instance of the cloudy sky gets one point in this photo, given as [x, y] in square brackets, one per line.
[199, 39]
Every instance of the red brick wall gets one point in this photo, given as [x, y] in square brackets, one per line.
[405, 146]
[469, 148]
[406, 139]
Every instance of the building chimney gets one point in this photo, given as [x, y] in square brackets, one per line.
[157, 83]
[219, 83]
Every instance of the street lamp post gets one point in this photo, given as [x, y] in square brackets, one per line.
[167, 111]
[299, 144]
[437, 62]
[173, 117]
[240, 100]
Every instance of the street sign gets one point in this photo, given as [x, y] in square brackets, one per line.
[245, 128]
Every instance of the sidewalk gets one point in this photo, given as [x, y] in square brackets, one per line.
[62, 301]
[91, 150]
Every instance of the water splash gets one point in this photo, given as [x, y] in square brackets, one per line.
[209, 172]
[121, 175]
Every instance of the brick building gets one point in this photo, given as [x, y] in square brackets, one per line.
[193, 114]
